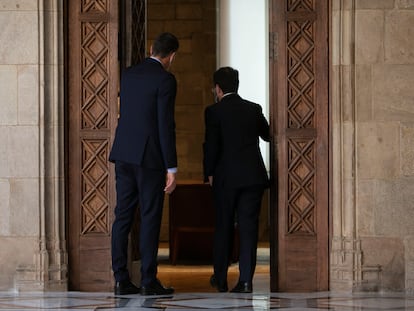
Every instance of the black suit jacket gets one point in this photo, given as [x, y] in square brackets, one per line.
[231, 148]
[145, 134]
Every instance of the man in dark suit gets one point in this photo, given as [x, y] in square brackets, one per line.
[144, 153]
[234, 166]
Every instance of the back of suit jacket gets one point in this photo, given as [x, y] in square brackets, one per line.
[231, 148]
[146, 128]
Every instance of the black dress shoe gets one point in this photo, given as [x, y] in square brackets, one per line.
[125, 288]
[243, 287]
[220, 287]
[156, 288]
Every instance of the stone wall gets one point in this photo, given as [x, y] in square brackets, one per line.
[373, 123]
[19, 136]
[31, 163]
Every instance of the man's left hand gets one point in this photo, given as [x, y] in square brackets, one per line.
[170, 183]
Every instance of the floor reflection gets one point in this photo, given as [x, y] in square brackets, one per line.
[211, 301]
[193, 292]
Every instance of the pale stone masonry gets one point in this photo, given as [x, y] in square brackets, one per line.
[373, 117]
[32, 240]
[372, 122]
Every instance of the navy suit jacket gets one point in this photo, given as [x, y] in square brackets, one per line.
[231, 148]
[145, 134]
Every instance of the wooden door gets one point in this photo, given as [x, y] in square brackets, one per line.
[103, 36]
[300, 156]
[92, 80]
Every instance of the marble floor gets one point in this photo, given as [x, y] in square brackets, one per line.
[193, 292]
[212, 301]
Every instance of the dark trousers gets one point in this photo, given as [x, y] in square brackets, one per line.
[241, 205]
[136, 185]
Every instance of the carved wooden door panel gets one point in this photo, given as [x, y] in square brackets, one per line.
[92, 77]
[299, 113]
[103, 36]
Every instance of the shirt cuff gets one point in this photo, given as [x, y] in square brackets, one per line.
[172, 170]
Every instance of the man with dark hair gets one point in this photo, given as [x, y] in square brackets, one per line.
[233, 165]
[164, 44]
[228, 79]
[145, 157]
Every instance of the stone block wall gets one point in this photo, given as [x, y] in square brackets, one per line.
[31, 133]
[384, 68]
[373, 75]
[19, 136]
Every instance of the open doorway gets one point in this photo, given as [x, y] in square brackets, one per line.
[299, 105]
[210, 36]
[93, 62]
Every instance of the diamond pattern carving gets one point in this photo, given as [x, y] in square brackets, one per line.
[300, 5]
[301, 77]
[94, 53]
[302, 118]
[94, 5]
[94, 183]
[301, 186]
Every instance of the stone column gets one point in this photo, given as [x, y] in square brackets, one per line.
[345, 249]
[49, 268]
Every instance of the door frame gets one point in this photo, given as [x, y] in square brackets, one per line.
[274, 196]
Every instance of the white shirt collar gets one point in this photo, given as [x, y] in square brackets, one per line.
[154, 58]
[227, 94]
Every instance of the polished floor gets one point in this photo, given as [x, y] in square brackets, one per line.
[193, 292]
[212, 301]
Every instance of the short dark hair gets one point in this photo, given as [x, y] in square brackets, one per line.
[227, 79]
[165, 44]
